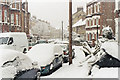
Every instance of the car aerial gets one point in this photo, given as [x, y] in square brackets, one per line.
[47, 56]
[14, 64]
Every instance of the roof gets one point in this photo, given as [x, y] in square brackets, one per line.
[44, 53]
[12, 33]
[79, 23]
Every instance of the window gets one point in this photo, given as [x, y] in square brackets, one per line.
[94, 8]
[95, 21]
[12, 18]
[99, 22]
[90, 36]
[5, 16]
[3, 40]
[91, 22]
[98, 7]
[15, 4]
[0, 15]
[16, 19]
[88, 22]
[93, 37]
[91, 9]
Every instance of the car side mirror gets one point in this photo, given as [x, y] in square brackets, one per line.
[56, 55]
[10, 41]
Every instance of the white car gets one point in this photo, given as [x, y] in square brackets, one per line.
[47, 56]
[12, 61]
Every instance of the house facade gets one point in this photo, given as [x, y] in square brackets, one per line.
[117, 20]
[99, 15]
[14, 16]
[79, 28]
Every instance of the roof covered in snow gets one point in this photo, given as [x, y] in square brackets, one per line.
[44, 53]
[79, 23]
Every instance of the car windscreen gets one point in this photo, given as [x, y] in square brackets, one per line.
[3, 40]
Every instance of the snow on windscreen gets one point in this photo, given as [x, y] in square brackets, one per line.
[43, 53]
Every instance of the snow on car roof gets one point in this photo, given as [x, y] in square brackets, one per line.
[8, 55]
[12, 33]
[44, 53]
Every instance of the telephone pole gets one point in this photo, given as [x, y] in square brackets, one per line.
[70, 32]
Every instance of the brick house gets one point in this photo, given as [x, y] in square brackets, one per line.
[14, 16]
[99, 14]
[78, 20]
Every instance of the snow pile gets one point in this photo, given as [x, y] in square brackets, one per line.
[106, 73]
[44, 53]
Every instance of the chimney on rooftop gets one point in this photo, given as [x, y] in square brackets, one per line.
[79, 9]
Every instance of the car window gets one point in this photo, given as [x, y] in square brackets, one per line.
[3, 40]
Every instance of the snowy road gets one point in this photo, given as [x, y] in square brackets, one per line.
[75, 71]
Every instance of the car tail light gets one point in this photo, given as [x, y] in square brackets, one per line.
[64, 52]
[43, 67]
[30, 48]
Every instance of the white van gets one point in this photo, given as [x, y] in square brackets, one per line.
[14, 40]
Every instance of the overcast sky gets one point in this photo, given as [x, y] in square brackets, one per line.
[54, 11]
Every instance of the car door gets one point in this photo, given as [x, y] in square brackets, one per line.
[57, 61]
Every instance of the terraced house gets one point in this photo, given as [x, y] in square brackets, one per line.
[99, 14]
[14, 16]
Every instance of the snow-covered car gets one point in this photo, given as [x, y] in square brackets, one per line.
[66, 55]
[47, 56]
[13, 62]
[66, 52]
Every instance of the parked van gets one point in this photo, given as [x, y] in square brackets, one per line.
[14, 40]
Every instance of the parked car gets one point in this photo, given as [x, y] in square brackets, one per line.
[66, 55]
[13, 62]
[65, 48]
[41, 41]
[31, 44]
[47, 56]
[14, 40]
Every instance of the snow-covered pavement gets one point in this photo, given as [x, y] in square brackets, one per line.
[76, 71]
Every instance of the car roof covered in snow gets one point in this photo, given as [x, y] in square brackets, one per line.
[9, 55]
[12, 34]
[44, 53]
